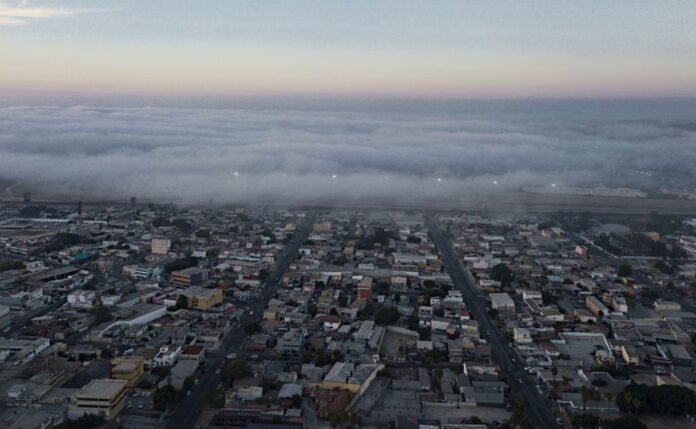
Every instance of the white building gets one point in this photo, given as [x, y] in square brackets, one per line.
[502, 302]
[167, 356]
[82, 299]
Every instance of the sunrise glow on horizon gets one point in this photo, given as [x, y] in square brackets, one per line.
[467, 48]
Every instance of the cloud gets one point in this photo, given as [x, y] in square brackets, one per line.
[21, 13]
[389, 152]
[4, 20]
[33, 12]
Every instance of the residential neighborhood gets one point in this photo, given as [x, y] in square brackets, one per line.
[163, 316]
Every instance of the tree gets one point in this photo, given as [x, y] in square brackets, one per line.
[666, 399]
[160, 221]
[202, 233]
[101, 314]
[90, 284]
[502, 273]
[312, 310]
[181, 302]
[212, 253]
[188, 384]
[12, 264]
[413, 239]
[181, 264]
[625, 270]
[182, 225]
[164, 398]
[386, 316]
[252, 328]
[87, 421]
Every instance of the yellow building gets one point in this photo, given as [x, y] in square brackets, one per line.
[160, 246]
[128, 369]
[101, 397]
[201, 298]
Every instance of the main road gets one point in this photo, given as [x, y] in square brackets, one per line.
[187, 412]
[536, 409]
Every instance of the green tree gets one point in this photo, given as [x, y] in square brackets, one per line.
[625, 270]
[101, 314]
[252, 328]
[235, 370]
[181, 302]
[13, 264]
[502, 273]
[165, 397]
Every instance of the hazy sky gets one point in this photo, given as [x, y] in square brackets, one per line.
[480, 48]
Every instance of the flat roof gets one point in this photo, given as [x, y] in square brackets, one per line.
[103, 388]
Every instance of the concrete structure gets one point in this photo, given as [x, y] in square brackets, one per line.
[167, 356]
[596, 306]
[160, 246]
[101, 397]
[502, 302]
[201, 298]
[128, 369]
[189, 277]
[348, 376]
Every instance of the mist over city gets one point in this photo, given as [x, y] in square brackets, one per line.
[395, 149]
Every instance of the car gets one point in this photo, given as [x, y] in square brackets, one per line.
[254, 356]
[232, 356]
[559, 421]
[217, 371]
[140, 406]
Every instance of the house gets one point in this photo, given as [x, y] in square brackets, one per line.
[502, 302]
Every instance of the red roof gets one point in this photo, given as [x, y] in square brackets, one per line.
[193, 350]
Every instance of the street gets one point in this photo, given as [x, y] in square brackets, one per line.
[190, 408]
[536, 409]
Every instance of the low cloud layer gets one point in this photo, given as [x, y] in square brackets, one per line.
[390, 152]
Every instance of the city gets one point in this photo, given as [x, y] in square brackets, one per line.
[164, 316]
[366, 214]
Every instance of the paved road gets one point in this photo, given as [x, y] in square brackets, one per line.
[190, 408]
[537, 410]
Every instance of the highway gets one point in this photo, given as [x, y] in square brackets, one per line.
[538, 412]
[186, 413]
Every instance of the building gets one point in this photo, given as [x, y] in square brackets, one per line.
[5, 316]
[128, 369]
[200, 298]
[348, 376]
[522, 336]
[596, 306]
[502, 302]
[291, 343]
[194, 353]
[663, 305]
[167, 356]
[582, 250]
[365, 289]
[189, 277]
[141, 272]
[101, 397]
[23, 350]
[160, 246]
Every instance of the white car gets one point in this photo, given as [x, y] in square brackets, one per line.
[232, 356]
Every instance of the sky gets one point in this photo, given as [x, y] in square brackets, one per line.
[436, 48]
